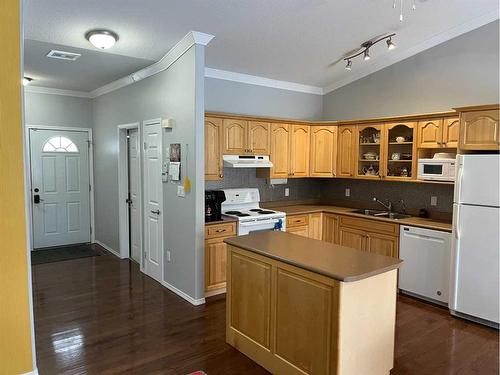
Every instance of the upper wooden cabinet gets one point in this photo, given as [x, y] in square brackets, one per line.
[346, 145]
[368, 153]
[213, 157]
[323, 160]
[234, 135]
[280, 150]
[400, 151]
[438, 133]
[258, 137]
[479, 128]
[242, 137]
[299, 150]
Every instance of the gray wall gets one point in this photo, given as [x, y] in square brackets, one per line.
[461, 71]
[415, 195]
[241, 98]
[174, 93]
[57, 110]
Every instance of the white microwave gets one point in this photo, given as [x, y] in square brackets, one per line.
[436, 169]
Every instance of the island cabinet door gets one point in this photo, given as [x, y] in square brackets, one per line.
[234, 137]
[299, 151]
[382, 244]
[353, 238]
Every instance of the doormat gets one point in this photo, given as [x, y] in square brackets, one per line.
[61, 254]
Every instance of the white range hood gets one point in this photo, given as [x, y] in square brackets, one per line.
[247, 161]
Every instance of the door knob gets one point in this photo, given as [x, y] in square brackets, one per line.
[157, 212]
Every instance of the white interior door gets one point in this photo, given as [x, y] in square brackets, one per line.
[134, 183]
[153, 198]
[60, 188]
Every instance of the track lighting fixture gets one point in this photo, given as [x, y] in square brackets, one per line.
[27, 81]
[365, 49]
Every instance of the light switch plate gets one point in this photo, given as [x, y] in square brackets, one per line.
[434, 201]
[180, 191]
[287, 192]
[347, 192]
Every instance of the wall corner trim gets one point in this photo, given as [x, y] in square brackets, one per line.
[112, 251]
[33, 372]
[261, 81]
[190, 39]
[180, 293]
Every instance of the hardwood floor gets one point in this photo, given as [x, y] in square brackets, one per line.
[101, 315]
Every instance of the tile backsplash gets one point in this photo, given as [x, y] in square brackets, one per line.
[415, 195]
[300, 188]
[332, 191]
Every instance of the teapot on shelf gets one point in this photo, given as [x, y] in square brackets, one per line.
[370, 171]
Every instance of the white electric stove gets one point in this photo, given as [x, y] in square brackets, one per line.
[243, 204]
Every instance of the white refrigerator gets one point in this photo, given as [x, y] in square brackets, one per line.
[475, 273]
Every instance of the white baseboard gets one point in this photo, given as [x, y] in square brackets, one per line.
[183, 295]
[112, 251]
[34, 372]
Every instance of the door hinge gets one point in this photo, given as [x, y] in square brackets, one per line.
[90, 187]
[145, 146]
[90, 230]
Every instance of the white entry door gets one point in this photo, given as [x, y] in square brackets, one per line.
[60, 188]
[134, 183]
[153, 198]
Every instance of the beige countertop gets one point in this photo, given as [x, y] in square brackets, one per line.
[311, 208]
[335, 261]
[224, 219]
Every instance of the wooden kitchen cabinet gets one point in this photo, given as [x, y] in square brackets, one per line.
[368, 153]
[438, 133]
[323, 151]
[280, 150]
[301, 231]
[382, 244]
[298, 224]
[299, 150]
[315, 230]
[330, 228]
[353, 238]
[400, 151]
[234, 136]
[479, 128]
[215, 256]
[346, 144]
[258, 137]
[213, 156]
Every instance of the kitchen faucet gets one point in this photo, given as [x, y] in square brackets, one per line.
[388, 205]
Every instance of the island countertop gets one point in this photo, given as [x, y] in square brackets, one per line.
[338, 262]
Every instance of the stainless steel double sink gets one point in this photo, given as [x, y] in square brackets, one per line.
[380, 213]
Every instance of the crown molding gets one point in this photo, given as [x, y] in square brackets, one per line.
[397, 56]
[262, 81]
[190, 39]
[53, 91]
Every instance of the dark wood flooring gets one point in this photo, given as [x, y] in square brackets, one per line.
[101, 315]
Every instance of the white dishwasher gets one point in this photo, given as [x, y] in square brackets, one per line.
[425, 271]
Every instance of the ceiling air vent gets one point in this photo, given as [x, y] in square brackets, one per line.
[61, 55]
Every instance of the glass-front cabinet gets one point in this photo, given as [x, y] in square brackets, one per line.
[369, 151]
[400, 156]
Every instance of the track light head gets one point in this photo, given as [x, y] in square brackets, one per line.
[349, 65]
[366, 55]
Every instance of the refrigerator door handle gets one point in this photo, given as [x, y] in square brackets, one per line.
[456, 222]
[458, 182]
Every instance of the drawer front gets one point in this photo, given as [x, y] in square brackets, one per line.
[297, 220]
[220, 230]
[376, 226]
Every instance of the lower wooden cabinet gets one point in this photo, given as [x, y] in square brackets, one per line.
[353, 238]
[307, 225]
[315, 226]
[301, 231]
[382, 244]
[216, 255]
[330, 228]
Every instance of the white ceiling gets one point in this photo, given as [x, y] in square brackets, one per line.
[293, 40]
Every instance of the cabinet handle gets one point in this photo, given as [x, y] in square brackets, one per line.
[221, 175]
[220, 230]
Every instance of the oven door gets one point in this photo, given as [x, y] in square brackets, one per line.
[248, 227]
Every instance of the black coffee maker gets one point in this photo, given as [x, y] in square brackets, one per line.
[213, 200]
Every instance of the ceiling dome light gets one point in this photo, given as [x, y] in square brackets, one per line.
[366, 56]
[390, 44]
[26, 81]
[102, 39]
[349, 65]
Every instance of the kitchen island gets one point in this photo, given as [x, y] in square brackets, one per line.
[302, 306]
